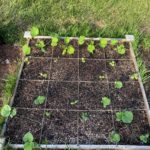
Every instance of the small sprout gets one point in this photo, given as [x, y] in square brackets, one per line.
[118, 84]
[40, 44]
[39, 100]
[34, 31]
[144, 138]
[28, 141]
[83, 60]
[7, 111]
[55, 60]
[114, 42]
[91, 47]
[54, 41]
[121, 49]
[26, 49]
[101, 77]
[114, 137]
[81, 40]
[112, 63]
[105, 101]
[103, 43]
[67, 40]
[26, 60]
[134, 76]
[70, 50]
[84, 116]
[74, 102]
[47, 113]
[44, 75]
[64, 51]
[124, 116]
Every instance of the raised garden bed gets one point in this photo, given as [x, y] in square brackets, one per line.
[73, 86]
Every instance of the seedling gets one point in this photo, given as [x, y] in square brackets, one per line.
[39, 100]
[7, 111]
[114, 137]
[83, 60]
[118, 84]
[74, 102]
[134, 76]
[114, 42]
[44, 75]
[101, 77]
[67, 40]
[105, 101]
[124, 116]
[26, 49]
[144, 138]
[91, 47]
[40, 44]
[68, 50]
[34, 31]
[103, 43]
[48, 114]
[54, 41]
[81, 40]
[26, 60]
[112, 63]
[121, 49]
[84, 116]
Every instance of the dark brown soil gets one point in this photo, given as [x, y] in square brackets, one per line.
[130, 132]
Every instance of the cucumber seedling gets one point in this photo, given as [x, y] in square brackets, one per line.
[39, 100]
[144, 138]
[54, 41]
[121, 49]
[124, 116]
[81, 40]
[103, 43]
[91, 47]
[40, 44]
[84, 116]
[26, 49]
[118, 84]
[7, 111]
[114, 137]
[34, 31]
[105, 101]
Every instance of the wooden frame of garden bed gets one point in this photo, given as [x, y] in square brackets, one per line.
[129, 38]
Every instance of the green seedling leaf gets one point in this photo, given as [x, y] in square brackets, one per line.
[124, 116]
[26, 60]
[112, 63]
[144, 138]
[5, 111]
[28, 146]
[28, 137]
[54, 41]
[105, 101]
[48, 114]
[118, 84]
[13, 113]
[74, 102]
[121, 49]
[40, 44]
[70, 50]
[44, 75]
[34, 31]
[114, 137]
[67, 40]
[114, 42]
[81, 40]
[83, 60]
[91, 47]
[134, 76]
[64, 51]
[39, 100]
[103, 43]
[101, 77]
[26, 49]
[84, 116]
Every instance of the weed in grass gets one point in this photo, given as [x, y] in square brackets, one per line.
[67, 40]
[114, 42]
[114, 137]
[118, 84]
[39, 100]
[54, 41]
[81, 40]
[40, 44]
[91, 47]
[34, 31]
[144, 138]
[112, 63]
[106, 101]
[103, 43]
[124, 116]
[84, 116]
[26, 49]
[121, 49]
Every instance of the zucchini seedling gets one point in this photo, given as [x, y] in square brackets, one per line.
[26, 49]
[7, 111]
[103, 43]
[81, 40]
[91, 47]
[34, 31]
[114, 137]
[84, 116]
[118, 84]
[40, 44]
[105, 101]
[124, 116]
[39, 100]
[121, 49]
[144, 138]
[54, 41]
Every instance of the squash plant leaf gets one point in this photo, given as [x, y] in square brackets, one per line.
[118, 84]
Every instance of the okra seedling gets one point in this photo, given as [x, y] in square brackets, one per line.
[44, 75]
[114, 137]
[40, 44]
[54, 41]
[81, 40]
[83, 60]
[121, 49]
[124, 116]
[74, 102]
[26, 49]
[7, 111]
[84, 116]
[114, 42]
[91, 47]
[134, 76]
[118, 84]
[144, 138]
[34, 31]
[112, 63]
[67, 40]
[105, 101]
[39, 100]
[103, 43]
